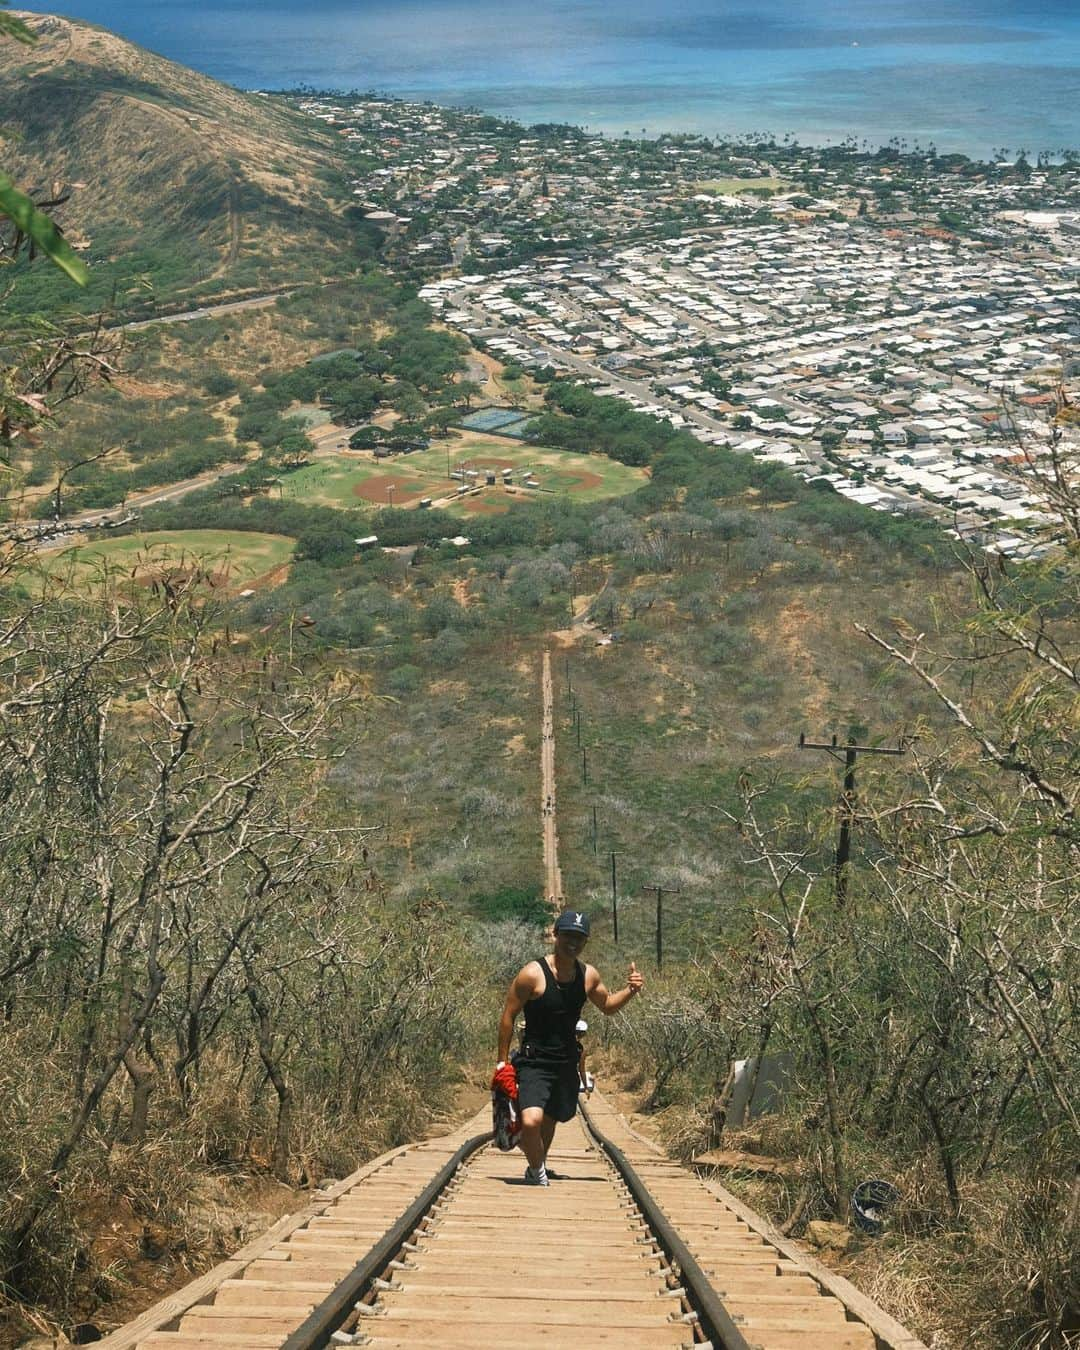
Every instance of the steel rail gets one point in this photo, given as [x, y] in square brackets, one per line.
[715, 1320]
[314, 1333]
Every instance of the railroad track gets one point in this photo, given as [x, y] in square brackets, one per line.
[442, 1244]
[552, 873]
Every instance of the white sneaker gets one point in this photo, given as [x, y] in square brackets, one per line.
[539, 1177]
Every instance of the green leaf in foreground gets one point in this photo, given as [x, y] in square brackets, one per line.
[12, 27]
[38, 228]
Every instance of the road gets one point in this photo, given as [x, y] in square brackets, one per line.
[552, 872]
[72, 526]
[638, 388]
[207, 311]
[694, 418]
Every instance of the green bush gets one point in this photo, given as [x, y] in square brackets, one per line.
[511, 902]
[403, 680]
[219, 385]
[447, 649]
[326, 544]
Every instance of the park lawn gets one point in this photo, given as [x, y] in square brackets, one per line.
[586, 477]
[734, 186]
[233, 557]
[339, 480]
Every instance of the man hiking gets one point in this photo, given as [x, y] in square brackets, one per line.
[552, 990]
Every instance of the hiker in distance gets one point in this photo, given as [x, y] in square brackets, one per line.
[552, 990]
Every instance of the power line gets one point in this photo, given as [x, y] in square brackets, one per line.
[661, 891]
[847, 797]
[614, 852]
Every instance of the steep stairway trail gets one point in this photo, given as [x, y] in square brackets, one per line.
[553, 888]
[443, 1244]
[508, 1263]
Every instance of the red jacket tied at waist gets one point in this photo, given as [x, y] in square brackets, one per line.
[505, 1080]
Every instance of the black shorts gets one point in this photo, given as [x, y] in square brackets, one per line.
[552, 1087]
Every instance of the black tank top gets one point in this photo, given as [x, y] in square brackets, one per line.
[550, 1019]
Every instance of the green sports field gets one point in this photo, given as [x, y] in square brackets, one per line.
[732, 187]
[234, 559]
[360, 481]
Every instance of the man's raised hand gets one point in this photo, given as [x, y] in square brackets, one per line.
[635, 981]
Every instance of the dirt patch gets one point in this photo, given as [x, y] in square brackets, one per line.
[178, 576]
[448, 688]
[670, 675]
[489, 464]
[515, 744]
[484, 370]
[788, 628]
[132, 388]
[329, 434]
[582, 626]
[477, 506]
[564, 637]
[612, 1079]
[466, 435]
[381, 487]
[266, 581]
[471, 1096]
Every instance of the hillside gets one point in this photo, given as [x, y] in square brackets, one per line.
[274, 836]
[198, 187]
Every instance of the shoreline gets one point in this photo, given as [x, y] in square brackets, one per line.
[970, 83]
[744, 139]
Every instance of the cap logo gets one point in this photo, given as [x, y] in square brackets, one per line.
[577, 920]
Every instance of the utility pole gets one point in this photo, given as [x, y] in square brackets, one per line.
[847, 797]
[614, 852]
[661, 891]
[584, 767]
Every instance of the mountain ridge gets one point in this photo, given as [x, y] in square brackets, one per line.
[160, 160]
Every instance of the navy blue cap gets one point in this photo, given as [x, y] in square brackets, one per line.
[572, 921]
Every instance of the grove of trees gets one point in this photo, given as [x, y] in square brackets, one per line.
[926, 1012]
[196, 959]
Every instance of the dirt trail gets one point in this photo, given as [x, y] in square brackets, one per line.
[552, 872]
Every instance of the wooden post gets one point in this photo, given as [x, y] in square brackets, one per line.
[614, 900]
[671, 890]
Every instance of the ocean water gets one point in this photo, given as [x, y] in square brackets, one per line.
[968, 75]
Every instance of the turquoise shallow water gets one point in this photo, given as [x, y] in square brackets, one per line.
[970, 75]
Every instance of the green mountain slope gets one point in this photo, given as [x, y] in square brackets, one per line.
[174, 178]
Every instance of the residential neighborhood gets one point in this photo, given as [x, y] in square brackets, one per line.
[898, 325]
